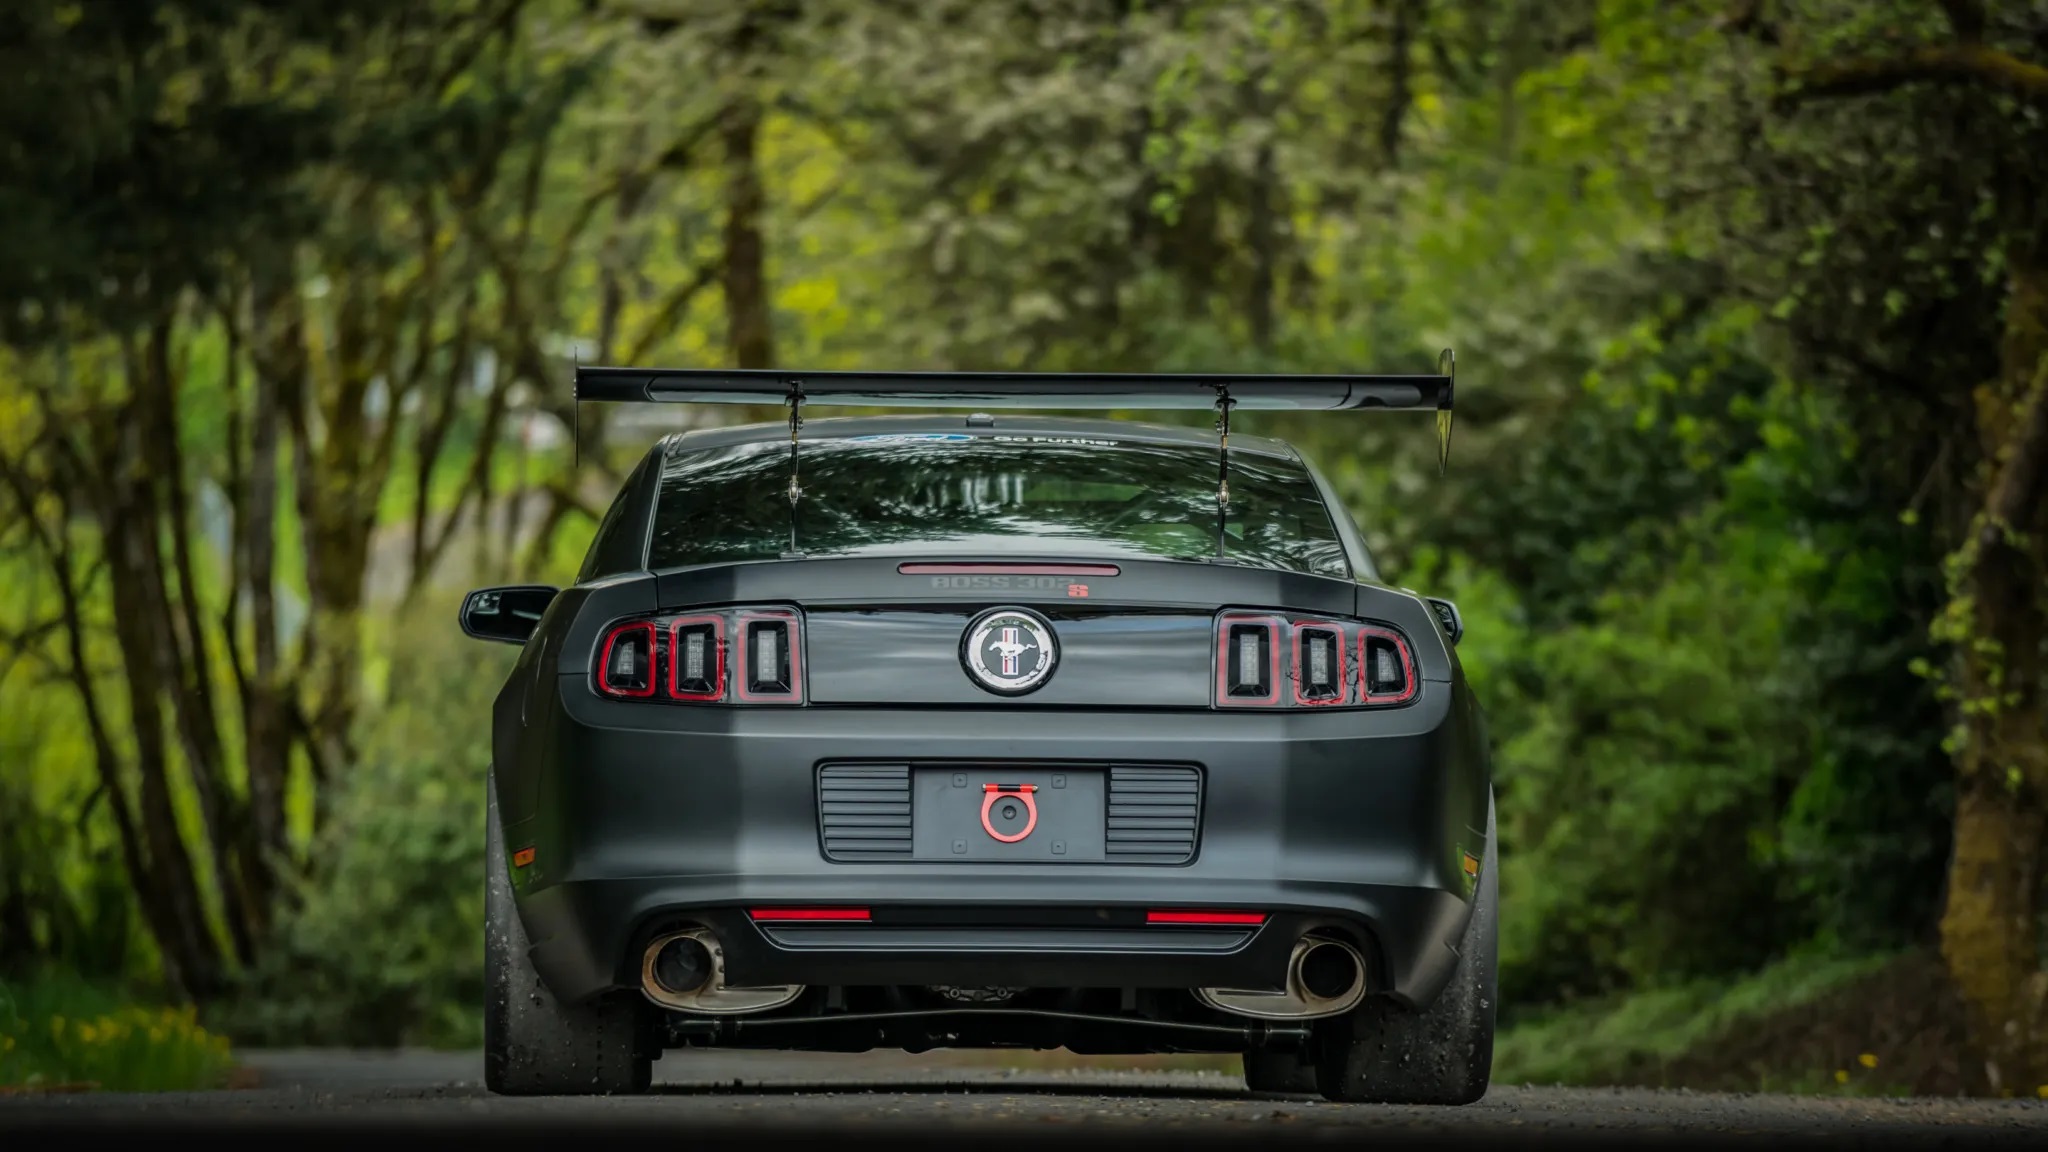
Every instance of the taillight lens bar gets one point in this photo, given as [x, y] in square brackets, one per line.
[1319, 678]
[696, 658]
[1292, 661]
[770, 661]
[728, 656]
[626, 662]
[1248, 661]
[1386, 666]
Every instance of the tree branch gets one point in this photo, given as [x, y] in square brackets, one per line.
[1936, 64]
[671, 311]
[2015, 491]
[561, 502]
[19, 644]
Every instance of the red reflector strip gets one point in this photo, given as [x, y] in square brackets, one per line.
[1009, 569]
[812, 914]
[522, 858]
[1174, 916]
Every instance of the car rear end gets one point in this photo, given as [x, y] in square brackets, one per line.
[759, 778]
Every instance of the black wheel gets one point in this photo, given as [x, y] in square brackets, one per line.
[1387, 1054]
[1279, 1072]
[534, 1045]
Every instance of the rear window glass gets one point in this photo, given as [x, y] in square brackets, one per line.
[965, 494]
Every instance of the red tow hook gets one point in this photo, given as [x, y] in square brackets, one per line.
[995, 792]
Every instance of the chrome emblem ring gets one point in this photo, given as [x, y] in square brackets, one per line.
[1009, 651]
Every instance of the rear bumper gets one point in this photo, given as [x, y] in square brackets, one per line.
[1405, 933]
[641, 816]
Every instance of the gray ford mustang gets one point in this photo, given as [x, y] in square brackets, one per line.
[988, 729]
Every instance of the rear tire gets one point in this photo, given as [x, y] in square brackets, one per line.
[1289, 1072]
[1385, 1053]
[534, 1045]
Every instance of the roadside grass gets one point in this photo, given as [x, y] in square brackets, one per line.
[1664, 1037]
[61, 1033]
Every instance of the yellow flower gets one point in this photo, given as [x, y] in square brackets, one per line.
[1841, 1076]
[7, 1045]
[87, 1033]
[156, 1035]
[1867, 1060]
[2042, 1091]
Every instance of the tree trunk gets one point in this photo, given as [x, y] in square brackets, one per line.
[279, 359]
[188, 664]
[1404, 15]
[1990, 928]
[171, 874]
[749, 331]
[151, 895]
[340, 480]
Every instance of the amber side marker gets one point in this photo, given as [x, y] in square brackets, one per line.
[1179, 916]
[522, 858]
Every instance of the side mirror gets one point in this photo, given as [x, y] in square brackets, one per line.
[1447, 615]
[508, 614]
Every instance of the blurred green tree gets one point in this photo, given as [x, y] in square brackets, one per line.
[1872, 175]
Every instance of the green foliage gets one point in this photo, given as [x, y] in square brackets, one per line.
[1693, 611]
[122, 118]
[57, 1030]
[1640, 779]
[1690, 637]
[385, 943]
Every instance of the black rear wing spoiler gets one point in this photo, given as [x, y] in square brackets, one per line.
[1122, 391]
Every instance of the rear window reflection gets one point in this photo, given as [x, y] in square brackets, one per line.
[903, 494]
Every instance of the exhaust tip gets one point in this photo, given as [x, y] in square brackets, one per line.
[1328, 970]
[684, 971]
[1325, 977]
[681, 966]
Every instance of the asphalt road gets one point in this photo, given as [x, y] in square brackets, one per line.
[971, 1103]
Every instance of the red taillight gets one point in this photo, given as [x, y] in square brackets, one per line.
[809, 915]
[1248, 666]
[1185, 916]
[770, 664]
[696, 658]
[725, 656]
[625, 664]
[1265, 661]
[1319, 663]
[1386, 670]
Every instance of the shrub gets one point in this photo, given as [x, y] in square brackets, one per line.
[57, 1030]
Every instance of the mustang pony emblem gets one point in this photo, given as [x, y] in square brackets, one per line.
[1009, 648]
[1009, 651]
